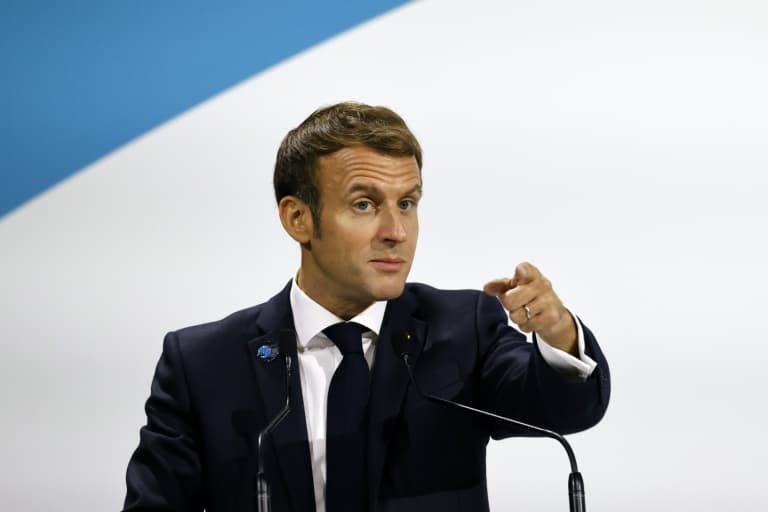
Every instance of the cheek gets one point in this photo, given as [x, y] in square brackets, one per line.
[349, 244]
[356, 234]
[414, 231]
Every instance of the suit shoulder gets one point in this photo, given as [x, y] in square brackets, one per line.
[230, 331]
[241, 325]
[427, 292]
[431, 300]
[233, 321]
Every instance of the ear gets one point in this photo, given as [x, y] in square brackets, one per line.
[296, 218]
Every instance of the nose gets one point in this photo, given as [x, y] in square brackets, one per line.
[392, 228]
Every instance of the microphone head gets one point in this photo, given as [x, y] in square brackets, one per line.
[405, 343]
[288, 342]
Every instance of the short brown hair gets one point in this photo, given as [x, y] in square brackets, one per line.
[328, 130]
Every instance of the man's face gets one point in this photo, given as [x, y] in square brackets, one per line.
[368, 230]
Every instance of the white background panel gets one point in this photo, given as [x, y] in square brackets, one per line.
[621, 147]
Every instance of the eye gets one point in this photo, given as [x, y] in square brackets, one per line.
[407, 204]
[363, 205]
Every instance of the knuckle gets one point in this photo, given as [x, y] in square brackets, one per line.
[518, 316]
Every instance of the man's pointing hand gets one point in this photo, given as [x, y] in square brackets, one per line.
[534, 306]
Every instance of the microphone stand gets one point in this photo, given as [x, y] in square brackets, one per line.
[263, 492]
[575, 481]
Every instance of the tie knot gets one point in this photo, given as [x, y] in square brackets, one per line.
[347, 336]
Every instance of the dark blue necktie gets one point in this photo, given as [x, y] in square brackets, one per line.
[345, 488]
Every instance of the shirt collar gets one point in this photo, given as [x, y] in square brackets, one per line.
[310, 318]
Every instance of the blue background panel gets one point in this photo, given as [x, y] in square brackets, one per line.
[81, 78]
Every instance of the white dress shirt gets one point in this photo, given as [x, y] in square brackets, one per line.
[319, 357]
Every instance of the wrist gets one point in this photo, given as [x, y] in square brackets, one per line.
[563, 335]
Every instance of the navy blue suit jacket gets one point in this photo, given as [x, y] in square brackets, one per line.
[421, 456]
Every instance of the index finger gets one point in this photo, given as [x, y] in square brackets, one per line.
[498, 286]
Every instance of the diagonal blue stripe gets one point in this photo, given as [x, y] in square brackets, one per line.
[80, 78]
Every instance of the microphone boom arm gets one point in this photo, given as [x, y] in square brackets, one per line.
[575, 481]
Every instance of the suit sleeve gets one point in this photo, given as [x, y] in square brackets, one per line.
[165, 471]
[518, 383]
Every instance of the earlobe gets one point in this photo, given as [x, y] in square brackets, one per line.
[296, 218]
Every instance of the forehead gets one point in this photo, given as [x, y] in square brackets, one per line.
[352, 165]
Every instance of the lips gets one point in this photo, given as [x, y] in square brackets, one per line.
[388, 264]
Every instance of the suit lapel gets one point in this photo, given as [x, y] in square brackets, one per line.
[289, 439]
[389, 383]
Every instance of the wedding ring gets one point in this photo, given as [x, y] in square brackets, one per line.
[527, 309]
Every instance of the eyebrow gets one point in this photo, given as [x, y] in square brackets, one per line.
[373, 190]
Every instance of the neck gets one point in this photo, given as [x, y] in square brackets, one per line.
[344, 309]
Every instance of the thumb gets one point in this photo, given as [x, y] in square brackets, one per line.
[524, 273]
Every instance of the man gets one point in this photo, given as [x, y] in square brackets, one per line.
[348, 183]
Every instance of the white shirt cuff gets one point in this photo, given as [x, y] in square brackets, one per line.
[563, 362]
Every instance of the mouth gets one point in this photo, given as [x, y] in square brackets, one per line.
[388, 264]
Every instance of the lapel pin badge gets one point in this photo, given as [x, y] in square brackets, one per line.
[267, 353]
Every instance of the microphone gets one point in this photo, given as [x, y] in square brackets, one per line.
[244, 422]
[406, 346]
